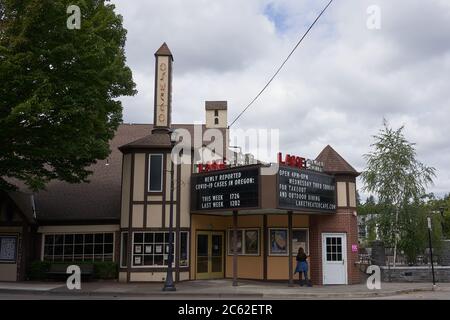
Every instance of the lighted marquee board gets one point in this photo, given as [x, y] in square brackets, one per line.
[234, 189]
[300, 189]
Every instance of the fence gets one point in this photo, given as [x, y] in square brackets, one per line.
[365, 257]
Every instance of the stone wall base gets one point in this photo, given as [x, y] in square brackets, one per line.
[445, 255]
[415, 274]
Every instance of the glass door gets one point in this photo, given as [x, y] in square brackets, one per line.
[210, 255]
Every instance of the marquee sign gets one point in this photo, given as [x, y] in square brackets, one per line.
[233, 189]
[301, 189]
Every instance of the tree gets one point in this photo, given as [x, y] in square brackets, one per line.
[397, 178]
[58, 107]
[368, 214]
[436, 205]
[414, 236]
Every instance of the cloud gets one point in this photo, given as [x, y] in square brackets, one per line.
[336, 88]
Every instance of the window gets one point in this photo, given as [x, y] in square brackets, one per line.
[334, 248]
[8, 249]
[216, 113]
[151, 249]
[278, 242]
[238, 241]
[247, 241]
[124, 249]
[300, 238]
[184, 254]
[155, 172]
[216, 120]
[79, 247]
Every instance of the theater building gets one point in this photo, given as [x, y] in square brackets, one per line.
[239, 221]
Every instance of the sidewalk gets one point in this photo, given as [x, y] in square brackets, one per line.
[215, 289]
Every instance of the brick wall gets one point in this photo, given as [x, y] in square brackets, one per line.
[343, 222]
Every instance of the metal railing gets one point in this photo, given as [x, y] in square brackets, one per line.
[421, 260]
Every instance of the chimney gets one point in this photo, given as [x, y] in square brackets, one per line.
[216, 114]
[163, 90]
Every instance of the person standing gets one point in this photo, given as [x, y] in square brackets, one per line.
[302, 266]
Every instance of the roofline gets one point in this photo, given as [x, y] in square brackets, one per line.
[346, 173]
[126, 147]
[63, 222]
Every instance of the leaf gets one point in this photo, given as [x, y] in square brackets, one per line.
[58, 106]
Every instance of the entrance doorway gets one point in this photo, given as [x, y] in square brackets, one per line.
[210, 257]
[334, 258]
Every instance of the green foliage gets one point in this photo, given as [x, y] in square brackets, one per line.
[58, 106]
[38, 270]
[413, 227]
[393, 173]
[414, 237]
[368, 212]
[369, 207]
[102, 270]
[399, 182]
[105, 270]
[438, 205]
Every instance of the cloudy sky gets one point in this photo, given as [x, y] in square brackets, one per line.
[336, 88]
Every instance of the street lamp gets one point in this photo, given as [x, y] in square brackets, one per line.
[169, 285]
[431, 250]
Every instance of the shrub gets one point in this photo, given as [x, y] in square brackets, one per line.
[38, 269]
[102, 270]
[105, 270]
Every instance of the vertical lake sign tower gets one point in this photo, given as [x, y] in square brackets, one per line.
[163, 90]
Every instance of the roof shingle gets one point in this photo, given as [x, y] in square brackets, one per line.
[98, 200]
[334, 163]
[164, 51]
[216, 105]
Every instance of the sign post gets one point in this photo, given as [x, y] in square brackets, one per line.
[235, 264]
[289, 246]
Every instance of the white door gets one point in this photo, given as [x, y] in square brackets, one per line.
[334, 258]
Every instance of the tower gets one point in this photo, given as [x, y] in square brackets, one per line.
[216, 114]
[163, 90]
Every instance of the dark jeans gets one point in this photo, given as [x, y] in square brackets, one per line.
[302, 267]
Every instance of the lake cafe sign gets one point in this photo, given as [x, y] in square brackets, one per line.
[289, 160]
[300, 162]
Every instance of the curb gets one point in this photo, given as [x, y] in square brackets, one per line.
[214, 296]
[348, 295]
[132, 294]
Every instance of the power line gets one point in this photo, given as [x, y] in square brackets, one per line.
[282, 65]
